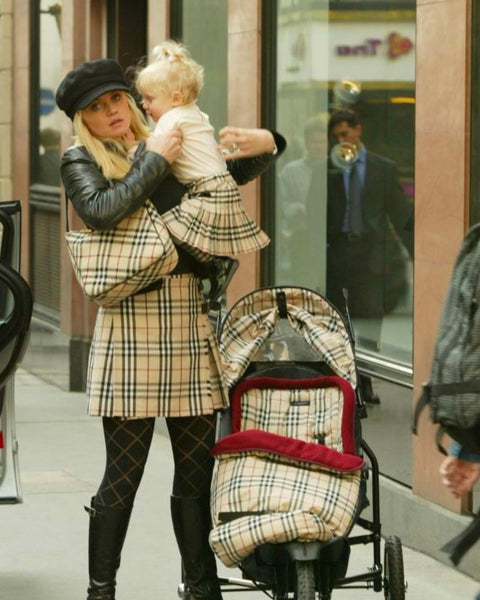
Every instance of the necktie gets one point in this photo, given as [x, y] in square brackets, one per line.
[355, 223]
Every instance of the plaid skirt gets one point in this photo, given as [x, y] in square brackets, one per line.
[211, 220]
[156, 354]
[276, 501]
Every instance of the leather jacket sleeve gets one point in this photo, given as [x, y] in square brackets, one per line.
[244, 170]
[102, 203]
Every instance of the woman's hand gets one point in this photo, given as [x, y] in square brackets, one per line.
[168, 144]
[236, 142]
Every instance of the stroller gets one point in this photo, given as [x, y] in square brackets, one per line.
[291, 473]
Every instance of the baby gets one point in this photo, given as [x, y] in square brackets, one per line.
[210, 220]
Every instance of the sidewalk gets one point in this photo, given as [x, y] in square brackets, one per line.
[43, 555]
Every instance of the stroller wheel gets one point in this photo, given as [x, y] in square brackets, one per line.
[394, 580]
[305, 580]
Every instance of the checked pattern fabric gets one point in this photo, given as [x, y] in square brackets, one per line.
[282, 411]
[113, 264]
[289, 471]
[211, 220]
[254, 318]
[155, 355]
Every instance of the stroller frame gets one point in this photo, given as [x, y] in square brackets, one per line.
[305, 561]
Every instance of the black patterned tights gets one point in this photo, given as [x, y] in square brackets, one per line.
[128, 442]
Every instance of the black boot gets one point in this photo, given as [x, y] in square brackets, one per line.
[108, 528]
[191, 523]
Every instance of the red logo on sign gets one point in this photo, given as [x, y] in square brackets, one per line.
[398, 45]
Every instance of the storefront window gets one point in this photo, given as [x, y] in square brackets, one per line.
[204, 30]
[123, 17]
[47, 164]
[345, 188]
[44, 200]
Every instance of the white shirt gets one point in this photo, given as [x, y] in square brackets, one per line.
[200, 156]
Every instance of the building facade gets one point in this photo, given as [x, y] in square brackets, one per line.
[406, 68]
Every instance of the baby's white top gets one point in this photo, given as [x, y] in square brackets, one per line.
[200, 156]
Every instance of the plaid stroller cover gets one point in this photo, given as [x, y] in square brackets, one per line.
[289, 469]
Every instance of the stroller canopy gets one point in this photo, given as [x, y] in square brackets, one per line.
[257, 319]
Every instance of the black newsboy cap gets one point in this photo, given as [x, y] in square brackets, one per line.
[89, 81]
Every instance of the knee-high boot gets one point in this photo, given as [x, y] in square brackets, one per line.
[191, 523]
[108, 528]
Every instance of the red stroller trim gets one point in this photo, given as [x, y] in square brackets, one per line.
[255, 440]
[348, 440]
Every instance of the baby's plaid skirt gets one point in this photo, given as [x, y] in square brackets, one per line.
[156, 354]
[211, 220]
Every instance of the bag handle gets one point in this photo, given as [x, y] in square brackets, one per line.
[148, 203]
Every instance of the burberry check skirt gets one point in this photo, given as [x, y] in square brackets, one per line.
[156, 354]
[215, 223]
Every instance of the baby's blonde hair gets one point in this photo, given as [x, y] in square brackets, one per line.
[111, 155]
[172, 69]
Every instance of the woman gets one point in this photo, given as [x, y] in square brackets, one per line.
[153, 354]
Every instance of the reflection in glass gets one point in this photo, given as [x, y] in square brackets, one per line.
[285, 344]
[49, 157]
[301, 226]
[338, 226]
[388, 430]
[343, 155]
[205, 32]
[47, 163]
[346, 92]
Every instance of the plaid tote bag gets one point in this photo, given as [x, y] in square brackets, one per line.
[113, 264]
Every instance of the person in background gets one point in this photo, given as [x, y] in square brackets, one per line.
[294, 181]
[154, 353]
[369, 226]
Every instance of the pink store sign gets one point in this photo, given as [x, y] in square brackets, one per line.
[397, 45]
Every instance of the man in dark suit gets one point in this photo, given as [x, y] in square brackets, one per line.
[369, 227]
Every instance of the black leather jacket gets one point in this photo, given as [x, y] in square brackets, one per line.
[102, 203]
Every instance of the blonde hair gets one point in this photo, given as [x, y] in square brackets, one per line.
[172, 69]
[110, 154]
